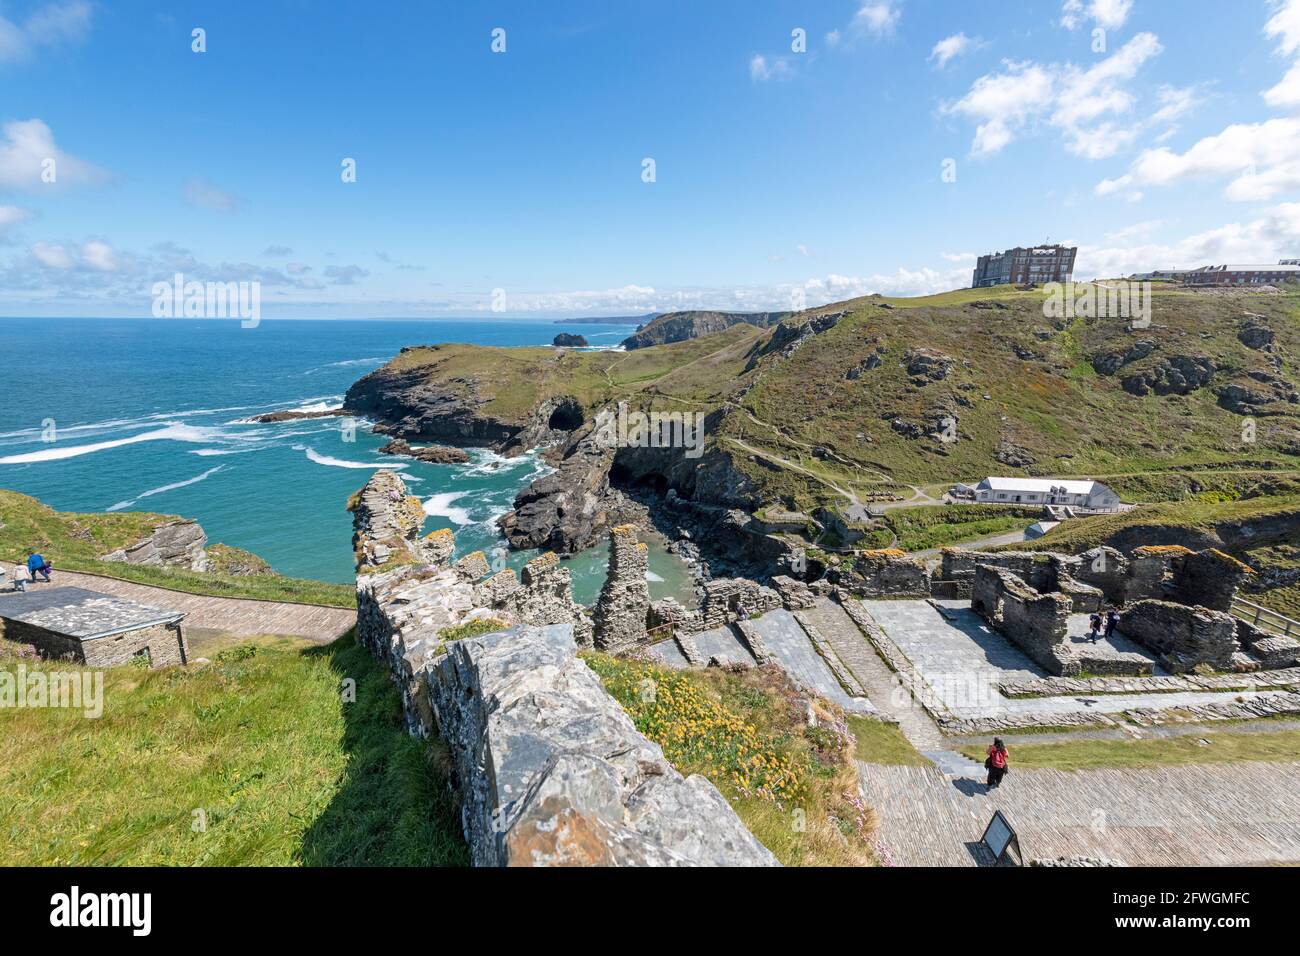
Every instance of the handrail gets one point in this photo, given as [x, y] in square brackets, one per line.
[1260, 616]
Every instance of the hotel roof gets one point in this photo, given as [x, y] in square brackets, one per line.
[1039, 484]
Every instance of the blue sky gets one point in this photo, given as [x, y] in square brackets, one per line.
[1170, 138]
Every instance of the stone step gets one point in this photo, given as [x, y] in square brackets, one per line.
[953, 764]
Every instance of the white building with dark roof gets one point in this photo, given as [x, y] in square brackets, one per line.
[1074, 493]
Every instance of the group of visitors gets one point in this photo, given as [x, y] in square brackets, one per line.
[1096, 622]
[36, 567]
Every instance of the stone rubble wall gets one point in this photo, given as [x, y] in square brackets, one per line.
[549, 769]
[552, 772]
[624, 602]
[1034, 622]
[884, 574]
[1183, 636]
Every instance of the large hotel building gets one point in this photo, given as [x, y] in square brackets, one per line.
[1020, 266]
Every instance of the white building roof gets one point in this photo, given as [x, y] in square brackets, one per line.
[1039, 484]
[1256, 267]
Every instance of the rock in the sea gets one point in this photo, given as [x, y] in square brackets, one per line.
[177, 543]
[435, 454]
[272, 417]
[567, 340]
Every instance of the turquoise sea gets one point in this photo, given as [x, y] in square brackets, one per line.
[150, 415]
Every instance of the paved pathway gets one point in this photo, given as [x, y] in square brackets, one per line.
[237, 616]
[1206, 815]
[882, 687]
[787, 642]
[962, 661]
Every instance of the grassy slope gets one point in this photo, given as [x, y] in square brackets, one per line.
[794, 786]
[1053, 406]
[1280, 746]
[285, 771]
[75, 541]
[1069, 418]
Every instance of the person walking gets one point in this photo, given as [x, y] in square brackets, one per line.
[996, 763]
[1094, 627]
[36, 564]
[20, 580]
[1112, 621]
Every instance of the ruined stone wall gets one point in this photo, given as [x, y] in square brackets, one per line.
[165, 644]
[549, 769]
[1208, 578]
[1034, 622]
[1035, 568]
[552, 771]
[883, 574]
[727, 600]
[620, 618]
[1182, 636]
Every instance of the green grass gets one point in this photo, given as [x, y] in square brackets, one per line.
[1278, 746]
[934, 526]
[76, 541]
[260, 741]
[882, 743]
[793, 785]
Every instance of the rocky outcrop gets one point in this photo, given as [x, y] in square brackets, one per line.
[178, 544]
[1254, 333]
[552, 772]
[567, 340]
[569, 509]
[1112, 362]
[271, 418]
[624, 602]
[1175, 375]
[926, 365]
[434, 454]
[680, 326]
[792, 333]
[408, 405]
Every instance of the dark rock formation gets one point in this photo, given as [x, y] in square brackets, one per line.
[568, 510]
[927, 365]
[435, 454]
[1111, 363]
[1176, 375]
[567, 340]
[680, 326]
[272, 417]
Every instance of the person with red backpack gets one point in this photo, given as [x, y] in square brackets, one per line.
[996, 764]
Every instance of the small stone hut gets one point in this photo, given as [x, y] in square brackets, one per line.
[92, 628]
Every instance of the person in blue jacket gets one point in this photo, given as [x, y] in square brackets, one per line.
[36, 564]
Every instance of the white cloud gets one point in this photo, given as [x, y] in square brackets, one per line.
[53, 256]
[99, 255]
[11, 216]
[46, 26]
[950, 47]
[1080, 102]
[1262, 160]
[206, 195]
[1107, 14]
[1284, 26]
[1273, 236]
[878, 17]
[761, 70]
[26, 149]
[833, 38]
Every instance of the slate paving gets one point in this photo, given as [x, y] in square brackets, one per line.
[1202, 815]
[786, 641]
[964, 661]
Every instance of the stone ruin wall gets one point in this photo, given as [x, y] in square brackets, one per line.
[1034, 622]
[549, 769]
[1183, 637]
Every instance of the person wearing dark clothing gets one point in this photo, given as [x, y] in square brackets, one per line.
[1094, 627]
[996, 763]
[1112, 622]
[36, 564]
